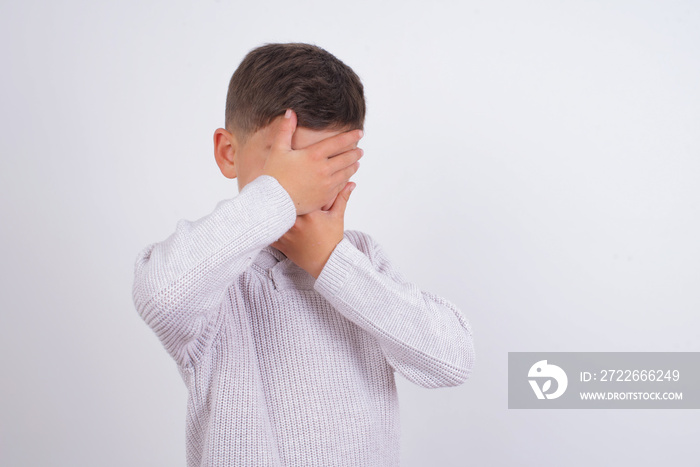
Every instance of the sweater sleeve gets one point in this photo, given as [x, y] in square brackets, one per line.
[424, 337]
[180, 283]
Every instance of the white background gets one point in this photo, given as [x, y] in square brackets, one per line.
[536, 163]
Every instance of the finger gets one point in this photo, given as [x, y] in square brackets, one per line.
[337, 144]
[345, 159]
[288, 125]
[337, 188]
[344, 175]
[341, 201]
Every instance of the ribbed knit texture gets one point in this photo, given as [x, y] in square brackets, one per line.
[283, 369]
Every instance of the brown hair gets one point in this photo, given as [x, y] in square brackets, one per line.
[323, 91]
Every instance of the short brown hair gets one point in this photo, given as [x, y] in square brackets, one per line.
[323, 91]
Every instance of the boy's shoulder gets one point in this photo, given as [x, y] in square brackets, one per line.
[377, 256]
[362, 241]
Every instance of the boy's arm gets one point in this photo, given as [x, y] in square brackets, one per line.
[424, 337]
[179, 283]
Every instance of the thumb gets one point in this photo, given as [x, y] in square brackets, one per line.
[283, 138]
[341, 201]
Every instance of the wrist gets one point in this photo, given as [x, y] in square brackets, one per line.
[323, 260]
[317, 266]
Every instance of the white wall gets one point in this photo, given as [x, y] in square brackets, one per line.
[534, 162]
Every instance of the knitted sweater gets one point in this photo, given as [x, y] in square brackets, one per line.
[283, 369]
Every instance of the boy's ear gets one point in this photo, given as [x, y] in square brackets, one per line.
[225, 147]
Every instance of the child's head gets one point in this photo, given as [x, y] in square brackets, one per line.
[324, 92]
[326, 95]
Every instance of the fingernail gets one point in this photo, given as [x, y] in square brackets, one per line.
[362, 133]
[288, 113]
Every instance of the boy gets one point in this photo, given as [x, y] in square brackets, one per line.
[286, 328]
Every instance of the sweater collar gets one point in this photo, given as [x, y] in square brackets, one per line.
[270, 257]
[275, 252]
[282, 271]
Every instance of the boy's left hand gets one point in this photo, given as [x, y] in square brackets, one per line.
[314, 236]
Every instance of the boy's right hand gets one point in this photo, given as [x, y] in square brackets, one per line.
[313, 176]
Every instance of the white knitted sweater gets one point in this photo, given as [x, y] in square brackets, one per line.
[283, 369]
